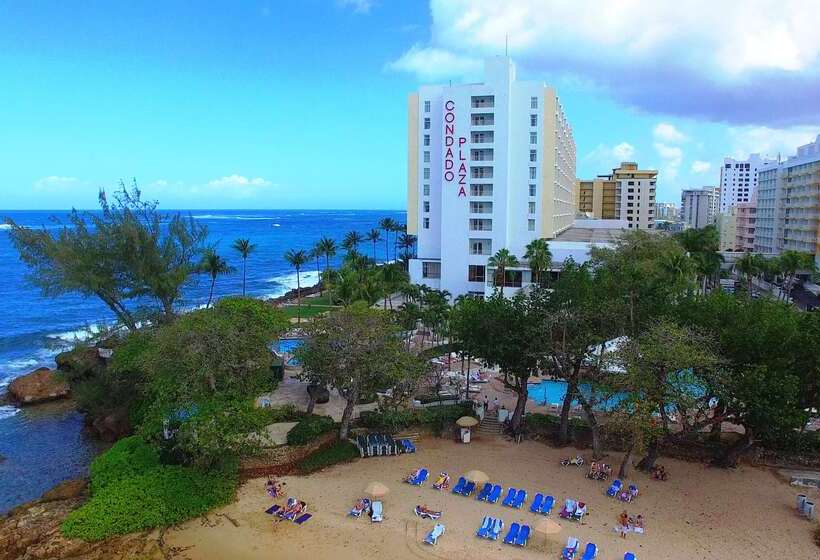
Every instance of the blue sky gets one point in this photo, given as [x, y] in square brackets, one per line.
[274, 104]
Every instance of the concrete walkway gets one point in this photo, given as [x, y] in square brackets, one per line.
[292, 391]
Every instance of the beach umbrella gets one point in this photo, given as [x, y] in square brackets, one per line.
[376, 490]
[466, 421]
[479, 477]
[547, 527]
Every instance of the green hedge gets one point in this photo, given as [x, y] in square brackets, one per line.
[392, 421]
[284, 413]
[144, 494]
[339, 452]
[309, 428]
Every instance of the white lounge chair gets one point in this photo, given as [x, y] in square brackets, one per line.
[433, 536]
[376, 512]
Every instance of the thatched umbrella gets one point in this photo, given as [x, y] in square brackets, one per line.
[467, 421]
[376, 490]
[479, 477]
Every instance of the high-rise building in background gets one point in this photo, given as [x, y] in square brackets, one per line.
[491, 165]
[788, 204]
[627, 194]
[739, 178]
[745, 225]
[727, 227]
[698, 207]
[666, 211]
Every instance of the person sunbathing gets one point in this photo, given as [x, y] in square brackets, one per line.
[443, 481]
[660, 473]
[427, 513]
[639, 524]
[294, 508]
[623, 524]
[274, 488]
[412, 476]
[359, 508]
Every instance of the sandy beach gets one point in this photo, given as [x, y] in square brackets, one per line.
[700, 513]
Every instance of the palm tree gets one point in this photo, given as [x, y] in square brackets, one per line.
[397, 229]
[792, 262]
[406, 243]
[374, 235]
[328, 246]
[539, 258]
[387, 224]
[352, 240]
[679, 267]
[501, 261]
[297, 259]
[244, 247]
[315, 253]
[749, 265]
[213, 265]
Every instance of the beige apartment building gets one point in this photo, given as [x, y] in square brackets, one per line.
[628, 194]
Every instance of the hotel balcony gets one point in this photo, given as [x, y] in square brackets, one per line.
[486, 137]
[481, 172]
[482, 101]
[485, 154]
[482, 119]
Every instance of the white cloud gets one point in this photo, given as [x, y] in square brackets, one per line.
[358, 6]
[769, 142]
[666, 132]
[430, 63]
[234, 187]
[699, 166]
[672, 157]
[624, 151]
[685, 58]
[604, 156]
[232, 181]
[56, 183]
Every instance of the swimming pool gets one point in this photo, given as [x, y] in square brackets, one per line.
[288, 345]
[552, 392]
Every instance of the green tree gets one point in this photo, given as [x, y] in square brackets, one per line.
[328, 249]
[792, 262]
[297, 259]
[750, 265]
[388, 225]
[316, 253]
[128, 251]
[539, 259]
[702, 246]
[356, 351]
[244, 247]
[501, 261]
[374, 235]
[352, 240]
[213, 265]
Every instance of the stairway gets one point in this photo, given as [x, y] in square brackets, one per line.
[490, 426]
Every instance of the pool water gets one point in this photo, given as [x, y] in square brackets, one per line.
[289, 345]
[552, 392]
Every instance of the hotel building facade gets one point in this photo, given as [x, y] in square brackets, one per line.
[698, 207]
[788, 204]
[739, 179]
[628, 194]
[491, 165]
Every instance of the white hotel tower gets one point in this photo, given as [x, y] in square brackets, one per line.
[490, 165]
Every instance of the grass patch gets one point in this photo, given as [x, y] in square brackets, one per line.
[339, 452]
[132, 491]
[309, 428]
[292, 311]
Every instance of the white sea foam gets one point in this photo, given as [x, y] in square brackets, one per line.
[277, 225]
[8, 411]
[80, 334]
[231, 217]
[287, 282]
[5, 226]
[18, 365]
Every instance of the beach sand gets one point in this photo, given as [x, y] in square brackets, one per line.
[700, 513]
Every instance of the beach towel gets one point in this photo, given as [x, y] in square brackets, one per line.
[273, 509]
[302, 518]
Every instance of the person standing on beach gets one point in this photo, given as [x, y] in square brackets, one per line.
[486, 403]
[495, 403]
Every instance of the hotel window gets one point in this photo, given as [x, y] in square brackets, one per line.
[477, 224]
[426, 123]
[426, 139]
[533, 120]
[481, 189]
[426, 157]
[533, 138]
[476, 273]
[530, 225]
[533, 103]
[426, 172]
[431, 270]
[532, 173]
[426, 190]
[533, 155]
[426, 106]
[532, 190]
[481, 246]
[531, 207]
[425, 223]
[426, 205]
[481, 207]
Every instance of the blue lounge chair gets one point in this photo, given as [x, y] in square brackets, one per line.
[485, 492]
[523, 536]
[459, 487]
[630, 556]
[495, 531]
[614, 488]
[508, 501]
[590, 552]
[468, 489]
[302, 518]
[546, 507]
[633, 491]
[535, 507]
[569, 551]
[520, 498]
[512, 534]
[432, 536]
[420, 478]
[486, 525]
[495, 494]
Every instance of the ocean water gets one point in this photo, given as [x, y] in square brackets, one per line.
[43, 447]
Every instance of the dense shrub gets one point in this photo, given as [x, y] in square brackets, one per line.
[392, 421]
[284, 413]
[309, 428]
[132, 491]
[339, 452]
[128, 457]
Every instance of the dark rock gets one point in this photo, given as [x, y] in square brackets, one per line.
[111, 427]
[319, 393]
[66, 490]
[80, 363]
[39, 386]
